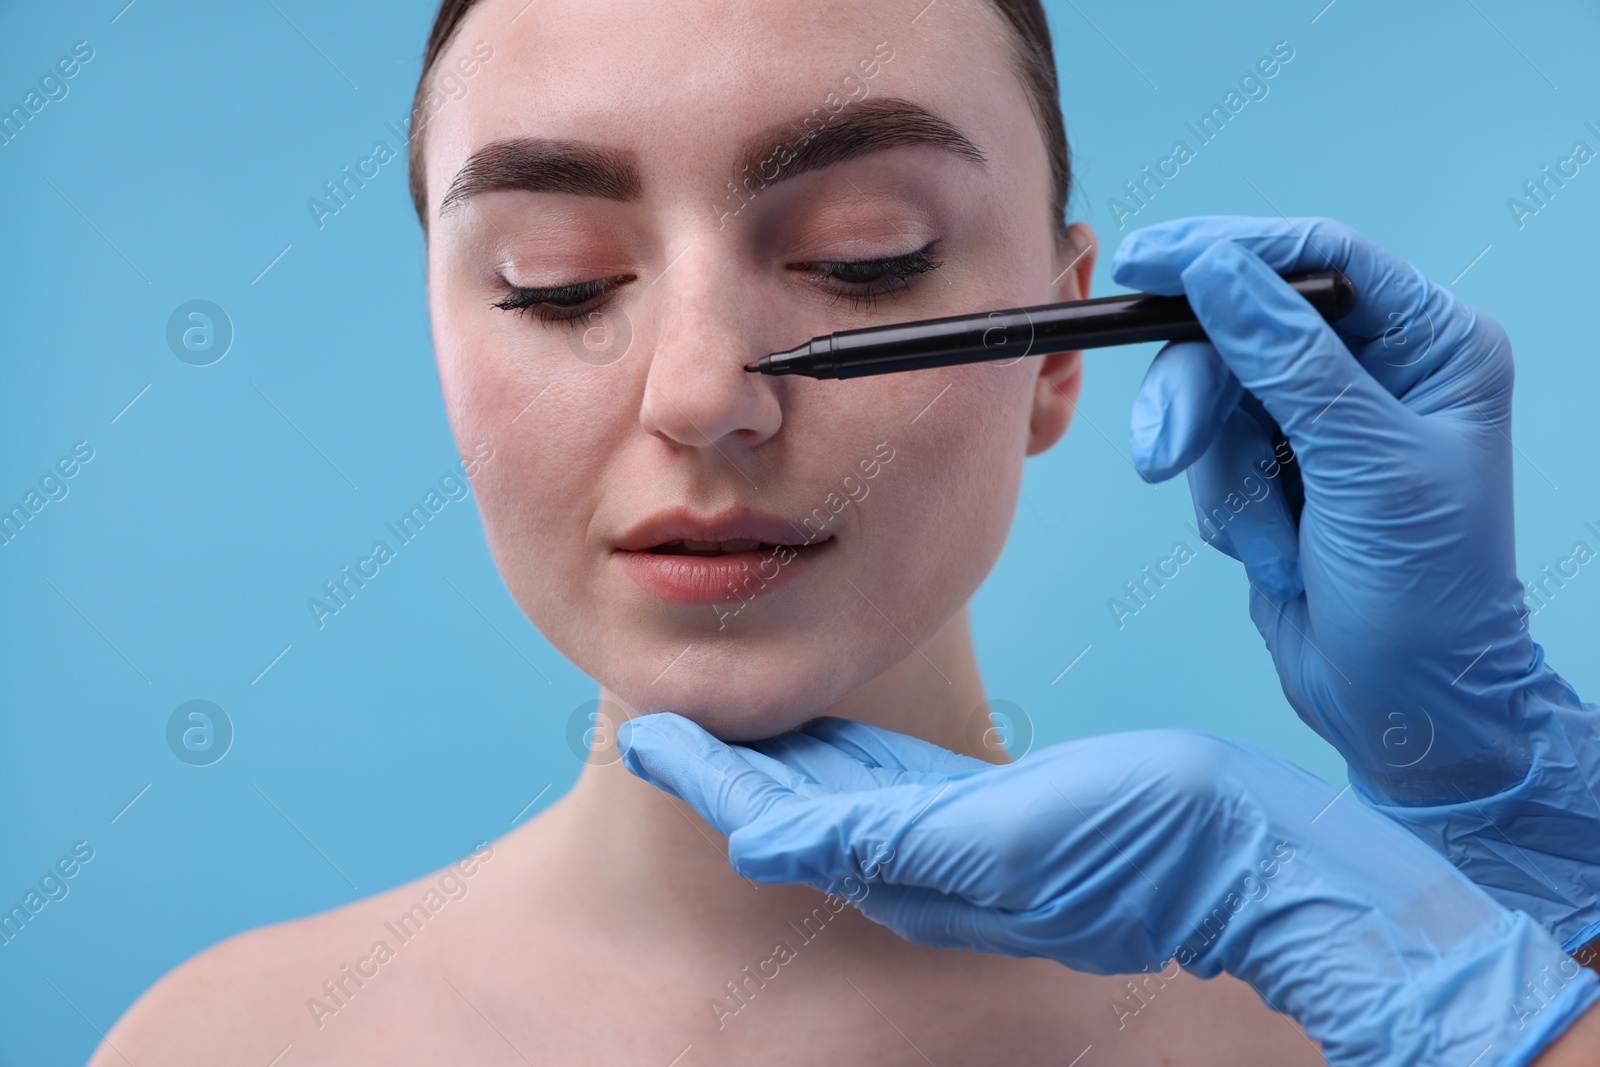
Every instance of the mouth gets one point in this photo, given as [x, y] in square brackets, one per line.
[685, 547]
[680, 532]
[726, 561]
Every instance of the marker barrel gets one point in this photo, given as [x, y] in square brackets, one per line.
[1133, 318]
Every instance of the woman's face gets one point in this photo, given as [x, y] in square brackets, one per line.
[594, 170]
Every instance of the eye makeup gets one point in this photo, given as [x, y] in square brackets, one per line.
[860, 281]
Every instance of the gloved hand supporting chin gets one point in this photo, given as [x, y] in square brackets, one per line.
[1118, 853]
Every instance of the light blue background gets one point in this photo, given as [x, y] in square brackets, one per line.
[417, 721]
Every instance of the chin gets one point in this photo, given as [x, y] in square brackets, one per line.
[739, 725]
[741, 696]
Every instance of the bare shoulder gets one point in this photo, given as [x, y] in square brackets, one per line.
[215, 1008]
[249, 998]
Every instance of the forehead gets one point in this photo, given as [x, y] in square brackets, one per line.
[658, 75]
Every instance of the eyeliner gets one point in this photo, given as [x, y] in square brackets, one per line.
[1131, 319]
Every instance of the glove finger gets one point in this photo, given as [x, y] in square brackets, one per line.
[1243, 512]
[1274, 620]
[934, 919]
[1288, 357]
[972, 836]
[1385, 741]
[1072, 932]
[1416, 338]
[1390, 293]
[877, 747]
[680, 757]
[775, 763]
[823, 841]
[1304, 669]
[1180, 408]
[811, 766]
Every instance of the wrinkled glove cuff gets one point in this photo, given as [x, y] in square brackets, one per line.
[1535, 846]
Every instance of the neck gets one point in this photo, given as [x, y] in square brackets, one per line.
[658, 860]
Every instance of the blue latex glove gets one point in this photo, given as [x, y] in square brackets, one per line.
[1117, 853]
[1389, 600]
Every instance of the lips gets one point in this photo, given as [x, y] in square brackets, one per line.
[734, 557]
[683, 547]
[682, 532]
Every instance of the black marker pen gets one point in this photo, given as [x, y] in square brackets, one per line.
[1033, 331]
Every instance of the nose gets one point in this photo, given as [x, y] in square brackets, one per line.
[697, 393]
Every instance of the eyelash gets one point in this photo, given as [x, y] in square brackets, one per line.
[561, 304]
[899, 270]
[567, 304]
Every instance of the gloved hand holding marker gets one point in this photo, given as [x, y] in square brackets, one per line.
[1389, 598]
[1382, 576]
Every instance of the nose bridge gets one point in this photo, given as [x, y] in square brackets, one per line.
[697, 392]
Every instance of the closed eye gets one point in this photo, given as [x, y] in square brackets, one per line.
[862, 281]
[560, 303]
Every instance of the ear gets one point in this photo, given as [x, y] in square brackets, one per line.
[1055, 392]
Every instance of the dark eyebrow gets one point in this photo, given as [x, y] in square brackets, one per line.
[784, 150]
[545, 165]
[821, 140]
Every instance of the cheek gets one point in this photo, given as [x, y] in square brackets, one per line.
[552, 420]
[970, 443]
[952, 487]
[548, 455]
[980, 442]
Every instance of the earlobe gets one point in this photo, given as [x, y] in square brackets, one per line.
[1055, 391]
